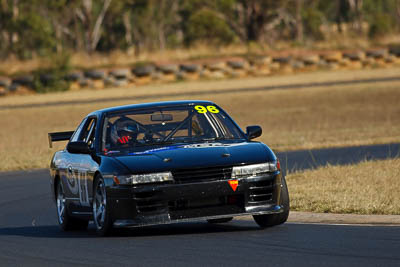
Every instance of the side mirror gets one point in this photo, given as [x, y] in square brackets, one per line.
[78, 147]
[253, 131]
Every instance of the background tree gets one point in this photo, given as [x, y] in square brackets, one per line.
[42, 27]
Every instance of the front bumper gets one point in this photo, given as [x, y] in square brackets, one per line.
[169, 203]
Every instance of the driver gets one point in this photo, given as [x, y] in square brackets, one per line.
[124, 131]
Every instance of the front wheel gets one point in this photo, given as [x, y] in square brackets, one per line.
[268, 220]
[66, 221]
[101, 212]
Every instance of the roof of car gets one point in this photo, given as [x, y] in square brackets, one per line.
[150, 105]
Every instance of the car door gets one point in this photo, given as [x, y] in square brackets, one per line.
[81, 169]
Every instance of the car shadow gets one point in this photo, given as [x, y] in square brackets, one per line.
[54, 231]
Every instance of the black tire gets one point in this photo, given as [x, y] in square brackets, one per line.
[95, 74]
[377, 53]
[168, 68]
[24, 80]
[222, 220]
[142, 71]
[282, 60]
[236, 64]
[101, 212]
[394, 49]
[120, 74]
[268, 220]
[65, 220]
[73, 76]
[192, 68]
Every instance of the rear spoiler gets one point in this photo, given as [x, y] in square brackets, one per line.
[59, 136]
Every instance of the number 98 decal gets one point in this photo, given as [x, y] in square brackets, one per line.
[203, 109]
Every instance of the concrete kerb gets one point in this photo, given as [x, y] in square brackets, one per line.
[332, 218]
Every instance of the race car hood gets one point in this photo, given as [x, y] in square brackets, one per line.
[195, 155]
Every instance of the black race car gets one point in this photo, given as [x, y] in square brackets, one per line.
[161, 163]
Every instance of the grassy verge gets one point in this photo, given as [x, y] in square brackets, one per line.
[291, 119]
[370, 187]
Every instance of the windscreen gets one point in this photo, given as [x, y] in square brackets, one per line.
[169, 125]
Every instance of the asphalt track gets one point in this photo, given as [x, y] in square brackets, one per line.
[30, 236]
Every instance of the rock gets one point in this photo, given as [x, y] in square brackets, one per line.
[333, 66]
[238, 73]
[140, 80]
[322, 64]
[286, 68]
[275, 66]
[344, 62]
[261, 61]
[188, 75]
[84, 82]
[205, 73]
[5, 82]
[109, 80]
[3, 90]
[265, 71]
[368, 61]
[390, 58]
[218, 74]
[380, 62]
[298, 65]
[97, 84]
[156, 76]
[169, 77]
[355, 65]
[74, 86]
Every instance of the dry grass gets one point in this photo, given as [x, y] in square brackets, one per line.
[291, 119]
[370, 187]
[119, 58]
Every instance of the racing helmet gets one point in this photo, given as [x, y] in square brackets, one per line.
[124, 130]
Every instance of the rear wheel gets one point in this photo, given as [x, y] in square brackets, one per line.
[222, 220]
[66, 221]
[268, 220]
[101, 213]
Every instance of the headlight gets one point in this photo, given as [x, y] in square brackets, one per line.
[249, 171]
[144, 178]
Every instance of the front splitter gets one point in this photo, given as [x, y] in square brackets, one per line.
[165, 219]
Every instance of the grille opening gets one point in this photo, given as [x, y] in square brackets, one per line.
[260, 192]
[149, 202]
[202, 174]
[187, 204]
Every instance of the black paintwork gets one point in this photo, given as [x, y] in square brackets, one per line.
[77, 168]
